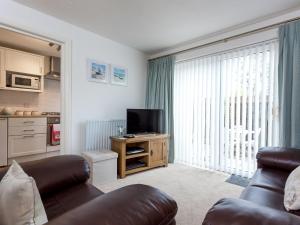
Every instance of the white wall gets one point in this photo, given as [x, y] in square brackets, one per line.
[48, 101]
[89, 100]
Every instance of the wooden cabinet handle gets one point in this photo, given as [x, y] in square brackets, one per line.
[151, 152]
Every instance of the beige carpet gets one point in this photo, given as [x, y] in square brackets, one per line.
[194, 190]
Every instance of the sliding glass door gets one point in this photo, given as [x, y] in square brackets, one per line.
[225, 108]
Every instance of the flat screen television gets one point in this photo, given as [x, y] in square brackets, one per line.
[144, 121]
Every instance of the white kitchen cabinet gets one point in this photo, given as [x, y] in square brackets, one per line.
[24, 122]
[26, 145]
[3, 141]
[26, 136]
[23, 62]
[27, 130]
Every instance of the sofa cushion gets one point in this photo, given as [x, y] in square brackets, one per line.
[263, 197]
[267, 189]
[70, 198]
[265, 178]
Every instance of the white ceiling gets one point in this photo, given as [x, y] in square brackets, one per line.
[23, 42]
[155, 25]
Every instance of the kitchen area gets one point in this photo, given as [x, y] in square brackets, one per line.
[30, 97]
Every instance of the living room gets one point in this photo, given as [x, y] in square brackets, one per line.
[171, 112]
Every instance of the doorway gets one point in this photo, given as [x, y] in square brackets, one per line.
[43, 100]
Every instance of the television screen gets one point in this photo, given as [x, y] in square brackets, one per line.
[144, 121]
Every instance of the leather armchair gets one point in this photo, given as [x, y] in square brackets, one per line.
[262, 201]
[70, 200]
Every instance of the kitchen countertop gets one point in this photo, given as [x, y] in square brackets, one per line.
[15, 116]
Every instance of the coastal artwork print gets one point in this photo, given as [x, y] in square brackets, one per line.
[119, 75]
[97, 71]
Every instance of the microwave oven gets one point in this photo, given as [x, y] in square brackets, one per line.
[25, 81]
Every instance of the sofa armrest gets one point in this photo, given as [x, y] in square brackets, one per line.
[278, 158]
[242, 212]
[132, 205]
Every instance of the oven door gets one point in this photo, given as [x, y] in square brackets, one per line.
[55, 134]
[53, 131]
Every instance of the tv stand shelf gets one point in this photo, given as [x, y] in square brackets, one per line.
[136, 170]
[155, 154]
[137, 155]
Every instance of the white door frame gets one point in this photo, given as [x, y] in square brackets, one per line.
[66, 78]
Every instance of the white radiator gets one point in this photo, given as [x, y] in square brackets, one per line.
[98, 133]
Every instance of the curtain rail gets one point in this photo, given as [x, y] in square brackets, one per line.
[258, 30]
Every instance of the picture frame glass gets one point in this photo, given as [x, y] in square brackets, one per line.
[97, 71]
[119, 75]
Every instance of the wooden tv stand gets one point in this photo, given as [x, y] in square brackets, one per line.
[155, 154]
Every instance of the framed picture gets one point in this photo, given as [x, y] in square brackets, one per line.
[97, 71]
[119, 75]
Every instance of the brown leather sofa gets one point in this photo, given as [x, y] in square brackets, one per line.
[69, 200]
[261, 203]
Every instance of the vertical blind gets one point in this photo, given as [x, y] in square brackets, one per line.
[225, 108]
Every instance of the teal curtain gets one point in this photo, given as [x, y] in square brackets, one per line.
[159, 93]
[289, 84]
